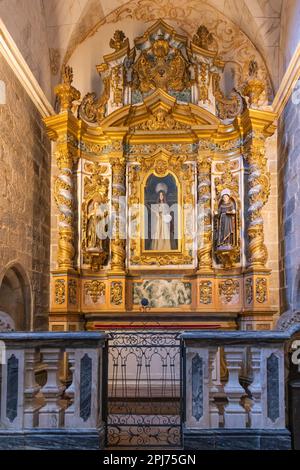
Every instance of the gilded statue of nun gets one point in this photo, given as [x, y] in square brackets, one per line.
[226, 222]
[161, 220]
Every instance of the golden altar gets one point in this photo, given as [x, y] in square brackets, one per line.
[162, 140]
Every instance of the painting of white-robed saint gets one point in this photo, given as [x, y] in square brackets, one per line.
[161, 221]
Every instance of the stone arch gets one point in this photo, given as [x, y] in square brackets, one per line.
[15, 297]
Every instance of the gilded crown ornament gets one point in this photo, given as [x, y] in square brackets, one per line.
[65, 91]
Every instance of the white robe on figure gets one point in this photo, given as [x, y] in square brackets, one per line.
[160, 226]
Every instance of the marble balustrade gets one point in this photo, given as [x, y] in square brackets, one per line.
[51, 390]
[245, 407]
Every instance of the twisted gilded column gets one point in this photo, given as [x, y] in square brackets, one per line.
[258, 193]
[118, 241]
[64, 198]
[204, 225]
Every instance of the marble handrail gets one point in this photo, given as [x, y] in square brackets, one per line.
[65, 410]
[235, 380]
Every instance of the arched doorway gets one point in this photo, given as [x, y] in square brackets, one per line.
[15, 299]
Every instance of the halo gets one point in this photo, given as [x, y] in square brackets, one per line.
[161, 187]
[225, 191]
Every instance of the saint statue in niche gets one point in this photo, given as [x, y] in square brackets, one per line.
[226, 222]
[161, 214]
[95, 233]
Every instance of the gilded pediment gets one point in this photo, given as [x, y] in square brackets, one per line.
[160, 112]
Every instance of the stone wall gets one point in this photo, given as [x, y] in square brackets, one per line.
[26, 23]
[270, 217]
[25, 192]
[289, 202]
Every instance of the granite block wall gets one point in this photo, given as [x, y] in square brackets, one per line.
[25, 192]
[289, 203]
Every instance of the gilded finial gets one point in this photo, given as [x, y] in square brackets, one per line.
[203, 38]
[118, 41]
[65, 91]
[254, 88]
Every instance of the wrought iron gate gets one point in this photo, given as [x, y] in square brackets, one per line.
[144, 399]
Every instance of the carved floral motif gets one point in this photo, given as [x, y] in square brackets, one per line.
[261, 290]
[95, 289]
[205, 288]
[116, 293]
[228, 289]
[249, 290]
[72, 292]
[60, 291]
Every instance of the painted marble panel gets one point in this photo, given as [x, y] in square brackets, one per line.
[273, 387]
[163, 293]
[197, 387]
[85, 387]
[12, 388]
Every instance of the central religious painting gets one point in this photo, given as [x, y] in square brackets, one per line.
[160, 189]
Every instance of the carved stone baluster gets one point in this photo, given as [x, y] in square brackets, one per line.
[213, 409]
[256, 388]
[204, 214]
[70, 391]
[235, 414]
[31, 389]
[118, 242]
[51, 414]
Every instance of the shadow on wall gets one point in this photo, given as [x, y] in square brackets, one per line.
[15, 299]
[296, 292]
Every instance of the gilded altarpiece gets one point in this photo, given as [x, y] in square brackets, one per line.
[160, 189]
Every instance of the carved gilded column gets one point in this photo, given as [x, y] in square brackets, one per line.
[204, 213]
[65, 130]
[258, 193]
[66, 156]
[118, 241]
